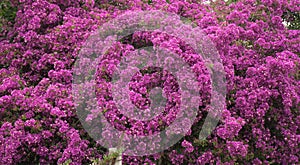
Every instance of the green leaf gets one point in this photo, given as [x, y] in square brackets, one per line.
[67, 162]
[7, 11]
[23, 117]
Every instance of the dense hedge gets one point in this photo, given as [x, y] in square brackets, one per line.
[258, 42]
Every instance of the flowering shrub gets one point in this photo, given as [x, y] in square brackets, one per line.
[40, 41]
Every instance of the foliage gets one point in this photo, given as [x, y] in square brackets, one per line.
[39, 44]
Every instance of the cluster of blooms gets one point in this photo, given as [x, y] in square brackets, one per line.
[144, 81]
[260, 56]
[140, 98]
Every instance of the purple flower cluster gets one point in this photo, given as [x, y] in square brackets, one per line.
[261, 58]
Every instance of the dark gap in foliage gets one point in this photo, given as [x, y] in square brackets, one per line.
[271, 121]
[136, 44]
[292, 19]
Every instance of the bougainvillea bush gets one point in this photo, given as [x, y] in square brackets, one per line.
[258, 42]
